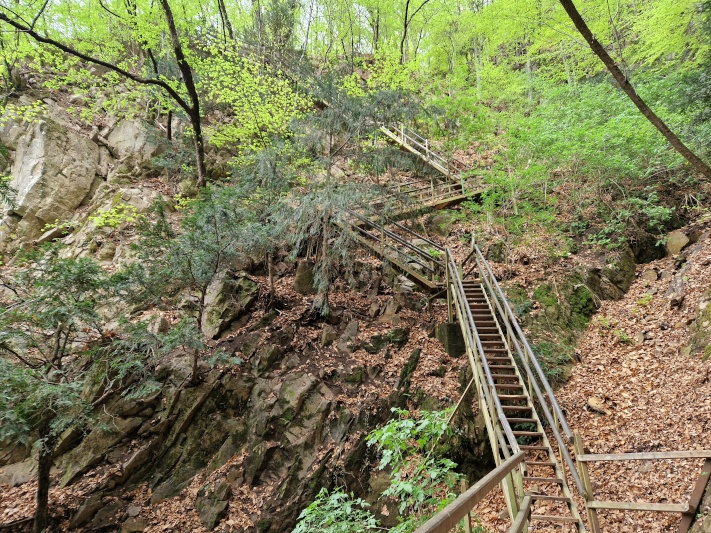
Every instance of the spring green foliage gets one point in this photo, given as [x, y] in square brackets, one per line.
[336, 512]
[421, 482]
[116, 216]
[51, 329]
[261, 101]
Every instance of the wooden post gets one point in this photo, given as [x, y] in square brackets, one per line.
[467, 520]
[695, 499]
[585, 478]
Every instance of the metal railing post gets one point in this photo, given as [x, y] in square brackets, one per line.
[585, 477]
[450, 311]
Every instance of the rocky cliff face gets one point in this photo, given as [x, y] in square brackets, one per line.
[248, 447]
[57, 168]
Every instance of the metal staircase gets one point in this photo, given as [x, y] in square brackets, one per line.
[528, 433]
[393, 240]
[451, 167]
[515, 399]
[508, 379]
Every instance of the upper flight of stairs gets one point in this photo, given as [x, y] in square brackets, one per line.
[392, 240]
[451, 167]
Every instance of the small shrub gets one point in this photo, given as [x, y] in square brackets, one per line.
[336, 512]
[118, 215]
[622, 337]
[645, 300]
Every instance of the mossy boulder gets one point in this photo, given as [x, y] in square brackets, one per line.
[450, 335]
[212, 502]
[304, 281]
[226, 300]
[441, 223]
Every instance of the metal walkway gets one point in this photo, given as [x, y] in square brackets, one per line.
[528, 433]
[508, 378]
[515, 399]
[451, 167]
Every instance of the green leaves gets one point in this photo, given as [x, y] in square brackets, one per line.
[336, 512]
[262, 102]
[421, 483]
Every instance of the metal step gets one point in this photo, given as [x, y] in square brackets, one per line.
[556, 480]
[512, 397]
[549, 518]
[547, 497]
[504, 376]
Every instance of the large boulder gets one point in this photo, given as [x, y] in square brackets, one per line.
[450, 335]
[53, 173]
[212, 502]
[676, 242]
[136, 140]
[304, 278]
[226, 300]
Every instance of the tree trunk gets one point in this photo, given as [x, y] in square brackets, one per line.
[194, 108]
[225, 19]
[376, 32]
[199, 151]
[44, 465]
[626, 86]
[270, 270]
[405, 27]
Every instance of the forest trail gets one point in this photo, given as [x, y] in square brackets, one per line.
[544, 491]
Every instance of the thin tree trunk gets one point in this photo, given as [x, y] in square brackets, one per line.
[529, 75]
[376, 32]
[44, 465]
[187, 74]
[270, 270]
[626, 86]
[199, 150]
[405, 27]
[225, 19]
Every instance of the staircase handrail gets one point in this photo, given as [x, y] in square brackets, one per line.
[474, 339]
[518, 339]
[448, 518]
[399, 129]
[424, 143]
[430, 263]
[507, 311]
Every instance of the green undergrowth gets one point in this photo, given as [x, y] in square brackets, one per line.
[554, 315]
[579, 162]
[422, 480]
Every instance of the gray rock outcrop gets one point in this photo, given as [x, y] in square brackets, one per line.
[226, 300]
[133, 140]
[53, 173]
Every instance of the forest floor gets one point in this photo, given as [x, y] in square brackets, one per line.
[648, 394]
